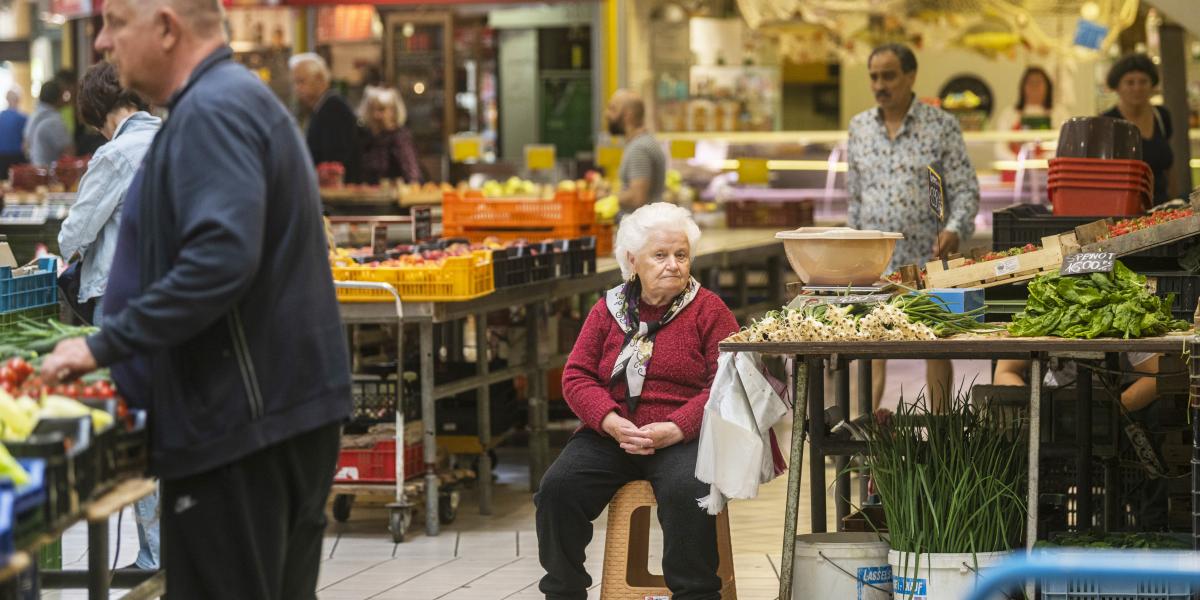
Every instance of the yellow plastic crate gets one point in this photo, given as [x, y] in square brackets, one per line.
[458, 278]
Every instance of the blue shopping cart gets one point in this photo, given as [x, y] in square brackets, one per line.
[1086, 575]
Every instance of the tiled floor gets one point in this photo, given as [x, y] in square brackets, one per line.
[495, 558]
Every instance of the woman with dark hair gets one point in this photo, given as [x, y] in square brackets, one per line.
[1035, 110]
[1134, 78]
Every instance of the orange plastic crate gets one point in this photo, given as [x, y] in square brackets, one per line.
[458, 278]
[473, 210]
[532, 234]
[605, 239]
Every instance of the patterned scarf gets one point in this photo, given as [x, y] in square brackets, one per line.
[635, 356]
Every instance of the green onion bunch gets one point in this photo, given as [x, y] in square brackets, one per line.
[952, 482]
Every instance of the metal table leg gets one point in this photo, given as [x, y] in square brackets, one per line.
[98, 574]
[865, 407]
[841, 371]
[1194, 409]
[483, 405]
[539, 408]
[1035, 432]
[429, 420]
[795, 465]
[1083, 456]
[816, 456]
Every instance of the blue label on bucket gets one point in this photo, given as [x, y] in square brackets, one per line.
[910, 588]
[879, 577]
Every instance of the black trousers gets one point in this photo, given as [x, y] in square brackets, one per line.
[580, 484]
[251, 529]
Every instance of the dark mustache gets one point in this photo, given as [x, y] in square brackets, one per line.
[882, 95]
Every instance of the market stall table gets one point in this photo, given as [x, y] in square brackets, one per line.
[719, 249]
[808, 356]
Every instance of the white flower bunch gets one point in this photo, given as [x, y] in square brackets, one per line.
[886, 321]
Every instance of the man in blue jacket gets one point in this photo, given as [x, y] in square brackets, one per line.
[220, 313]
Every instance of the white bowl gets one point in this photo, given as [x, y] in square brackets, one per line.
[839, 255]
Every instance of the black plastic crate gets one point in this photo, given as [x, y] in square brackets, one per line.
[509, 270]
[581, 257]
[1022, 224]
[131, 447]
[60, 471]
[1183, 284]
[375, 400]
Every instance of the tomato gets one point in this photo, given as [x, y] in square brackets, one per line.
[8, 376]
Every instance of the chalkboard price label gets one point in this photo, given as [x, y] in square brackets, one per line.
[937, 199]
[1088, 262]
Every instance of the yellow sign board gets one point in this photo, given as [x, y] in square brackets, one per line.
[539, 157]
[683, 149]
[753, 171]
[609, 159]
[464, 148]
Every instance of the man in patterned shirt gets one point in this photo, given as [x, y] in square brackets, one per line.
[889, 150]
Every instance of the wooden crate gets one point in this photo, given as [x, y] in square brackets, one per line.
[1137, 241]
[955, 273]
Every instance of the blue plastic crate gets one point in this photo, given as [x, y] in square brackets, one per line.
[7, 529]
[32, 495]
[1089, 589]
[29, 291]
[958, 300]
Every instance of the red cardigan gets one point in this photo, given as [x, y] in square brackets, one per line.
[677, 380]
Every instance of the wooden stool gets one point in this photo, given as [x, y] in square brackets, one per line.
[627, 549]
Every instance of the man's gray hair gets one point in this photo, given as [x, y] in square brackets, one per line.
[312, 60]
[636, 227]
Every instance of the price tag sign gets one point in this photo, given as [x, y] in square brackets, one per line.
[937, 199]
[609, 159]
[1088, 262]
[465, 148]
[422, 223]
[683, 149]
[753, 171]
[539, 157]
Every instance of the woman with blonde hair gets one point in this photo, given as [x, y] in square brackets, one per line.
[389, 152]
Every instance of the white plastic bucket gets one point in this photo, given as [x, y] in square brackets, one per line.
[938, 576]
[841, 566]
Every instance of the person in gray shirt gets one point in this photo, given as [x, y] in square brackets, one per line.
[643, 170]
[46, 133]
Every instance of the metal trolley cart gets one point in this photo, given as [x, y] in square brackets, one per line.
[406, 468]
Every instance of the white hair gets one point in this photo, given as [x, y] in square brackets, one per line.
[636, 227]
[382, 96]
[313, 59]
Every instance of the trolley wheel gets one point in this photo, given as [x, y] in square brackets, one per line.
[448, 506]
[399, 520]
[341, 507]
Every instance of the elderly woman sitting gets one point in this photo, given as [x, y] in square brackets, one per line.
[639, 378]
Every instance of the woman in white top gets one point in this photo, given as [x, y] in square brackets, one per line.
[1034, 110]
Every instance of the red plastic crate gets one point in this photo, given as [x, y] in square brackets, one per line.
[1092, 184]
[1101, 181]
[769, 213]
[1097, 202]
[1096, 165]
[378, 464]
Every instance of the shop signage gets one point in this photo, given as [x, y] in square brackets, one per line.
[1090, 34]
[1088, 262]
[752, 171]
[937, 200]
[72, 8]
[465, 148]
[539, 157]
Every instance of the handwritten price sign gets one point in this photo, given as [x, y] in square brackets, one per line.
[1088, 262]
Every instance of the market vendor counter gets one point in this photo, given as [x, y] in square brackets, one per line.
[731, 250]
[810, 356]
